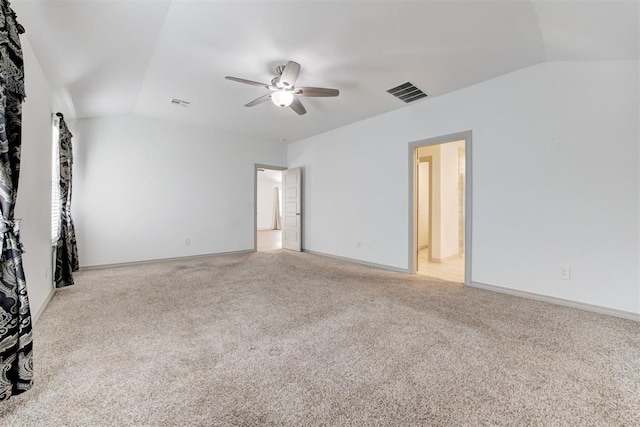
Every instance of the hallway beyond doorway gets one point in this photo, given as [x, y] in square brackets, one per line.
[440, 207]
[268, 205]
[268, 240]
[451, 270]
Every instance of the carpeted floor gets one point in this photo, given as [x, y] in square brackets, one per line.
[281, 338]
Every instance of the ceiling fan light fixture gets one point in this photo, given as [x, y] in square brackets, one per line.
[282, 98]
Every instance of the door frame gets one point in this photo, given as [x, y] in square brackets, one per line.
[466, 136]
[255, 198]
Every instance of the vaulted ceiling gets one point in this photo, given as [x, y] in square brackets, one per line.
[117, 57]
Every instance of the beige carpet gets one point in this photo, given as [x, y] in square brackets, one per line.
[280, 338]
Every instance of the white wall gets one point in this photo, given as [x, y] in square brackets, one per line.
[445, 227]
[544, 194]
[143, 187]
[423, 204]
[434, 151]
[462, 171]
[34, 189]
[449, 203]
[268, 181]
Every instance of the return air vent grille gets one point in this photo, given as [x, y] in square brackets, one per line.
[407, 92]
[180, 102]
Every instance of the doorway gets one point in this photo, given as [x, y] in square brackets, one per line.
[268, 203]
[440, 207]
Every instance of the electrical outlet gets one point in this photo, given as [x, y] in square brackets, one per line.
[565, 272]
[187, 242]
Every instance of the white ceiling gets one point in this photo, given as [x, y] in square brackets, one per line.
[116, 57]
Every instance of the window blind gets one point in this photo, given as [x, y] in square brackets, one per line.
[55, 181]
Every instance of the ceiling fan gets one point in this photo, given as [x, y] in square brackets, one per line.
[284, 93]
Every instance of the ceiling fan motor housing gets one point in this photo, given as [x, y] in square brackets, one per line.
[275, 82]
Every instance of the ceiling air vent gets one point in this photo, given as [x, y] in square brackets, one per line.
[407, 92]
[180, 102]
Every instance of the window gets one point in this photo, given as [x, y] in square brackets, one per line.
[55, 181]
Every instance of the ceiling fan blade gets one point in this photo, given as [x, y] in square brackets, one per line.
[260, 100]
[290, 74]
[317, 91]
[247, 82]
[297, 106]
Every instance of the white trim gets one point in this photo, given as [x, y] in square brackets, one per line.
[357, 261]
[559, 301]
[445, 259]
[126, 264]
[522, 294]
[35, 318]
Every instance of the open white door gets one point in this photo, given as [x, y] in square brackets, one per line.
[292, 214]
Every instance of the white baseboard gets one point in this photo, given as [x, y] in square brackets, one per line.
[629, 315]
[445, 259]
[357, 261]
[35, 317]
[523, 294]
[122, 264]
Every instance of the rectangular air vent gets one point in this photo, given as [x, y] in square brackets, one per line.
[407, 92]
[180, 102]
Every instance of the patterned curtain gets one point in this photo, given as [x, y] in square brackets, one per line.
[66, 247]
[16, 370]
